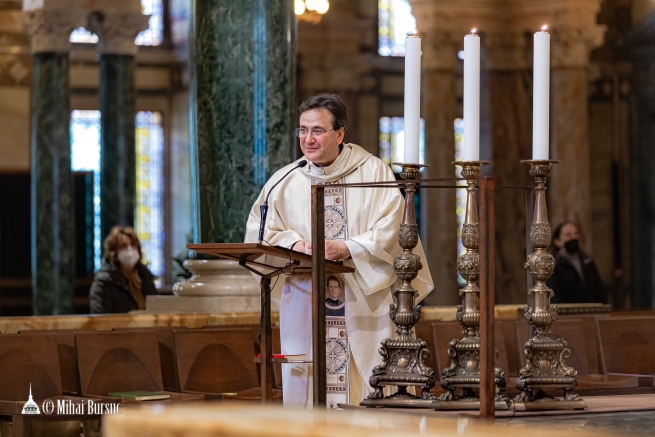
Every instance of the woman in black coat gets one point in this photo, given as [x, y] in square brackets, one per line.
[123, 282]
[576, 278]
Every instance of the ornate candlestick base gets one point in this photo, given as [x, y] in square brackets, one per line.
[402, 358]
[545, 368]
[464, 369]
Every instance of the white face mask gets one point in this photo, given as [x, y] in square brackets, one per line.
[128, 257]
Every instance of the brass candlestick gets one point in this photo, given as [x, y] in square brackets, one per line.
[464, 369]
[545, 368]
[402, 358]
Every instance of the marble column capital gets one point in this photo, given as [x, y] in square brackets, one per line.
[571, 46]
[117, 32]
[505, 49]
[344, 72]
[572, 24]
[440, 48]
[50, 30]
[640, 42]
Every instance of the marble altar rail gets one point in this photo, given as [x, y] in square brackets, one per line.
[140, 319]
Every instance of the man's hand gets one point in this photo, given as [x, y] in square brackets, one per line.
[302, 246]
[334, 249]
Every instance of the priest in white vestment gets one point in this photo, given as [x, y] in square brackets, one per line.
[361, 228]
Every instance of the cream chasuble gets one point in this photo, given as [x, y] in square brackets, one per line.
[357, 304]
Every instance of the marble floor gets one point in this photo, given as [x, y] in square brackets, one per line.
[638, 423]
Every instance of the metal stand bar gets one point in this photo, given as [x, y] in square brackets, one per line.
[318, 294]
[487, 300]
[266, 342]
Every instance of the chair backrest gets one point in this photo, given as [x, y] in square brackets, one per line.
[627, 344]
[25, 360]
[67, 355]
[277, 367]
[215, 360]
[166, 352]
[445, 332]
[118, 361]
[508, 330]
[571, 330]
[423, 330]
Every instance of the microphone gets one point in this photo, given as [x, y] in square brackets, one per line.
[263, 209]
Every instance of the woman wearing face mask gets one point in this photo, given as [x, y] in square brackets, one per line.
[123, 282]
[576, 278]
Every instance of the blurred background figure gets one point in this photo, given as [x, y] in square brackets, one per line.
[123, 282]
[576, 278]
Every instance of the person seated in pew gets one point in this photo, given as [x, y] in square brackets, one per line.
[123, 281]
[361, 228]
[576, 278]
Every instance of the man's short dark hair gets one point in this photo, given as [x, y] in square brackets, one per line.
[332, 103]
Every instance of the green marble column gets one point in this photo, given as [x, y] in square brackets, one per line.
[242, 107]
[641, 41]
[118, 159]
[52, 213]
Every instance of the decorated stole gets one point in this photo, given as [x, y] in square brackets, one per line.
[337, 354]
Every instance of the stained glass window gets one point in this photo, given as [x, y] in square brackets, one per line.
[460, 199]
[395, 21]
[85, 156]
[84, 36]
[150, 189]
[392, 141]
[152, 36]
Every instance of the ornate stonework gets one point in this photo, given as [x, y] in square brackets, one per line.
[50, 30]
[117, 32]
[504, 23]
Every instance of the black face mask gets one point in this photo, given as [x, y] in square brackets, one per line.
[572, 246]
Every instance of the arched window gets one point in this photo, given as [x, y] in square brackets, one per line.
[152, 36]
[395, 21]
[392, 141]
[460, 199]
[149, 214]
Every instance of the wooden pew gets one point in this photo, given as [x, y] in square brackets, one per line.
[121, 361]
[216, 362]
[166, 342]
[31, 362]
[67, 355]
[277, 349]
[582, 343]
[627, 346]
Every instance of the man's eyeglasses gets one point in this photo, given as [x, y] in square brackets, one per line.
[301, 132]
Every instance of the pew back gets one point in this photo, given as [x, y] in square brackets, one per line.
[627, 345]
[166, 341]
[29, 360]
[215, 360]
[67, 355]
[118, 361]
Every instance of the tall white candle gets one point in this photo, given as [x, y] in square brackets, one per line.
[541, 95]
[471, 150]
[412, 98]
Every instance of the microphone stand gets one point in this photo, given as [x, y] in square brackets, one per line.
[263, 209]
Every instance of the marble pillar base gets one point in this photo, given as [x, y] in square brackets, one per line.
[203, 304]
[217, 278]
[217, 286]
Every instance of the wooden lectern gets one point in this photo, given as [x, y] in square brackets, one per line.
[269, 262]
